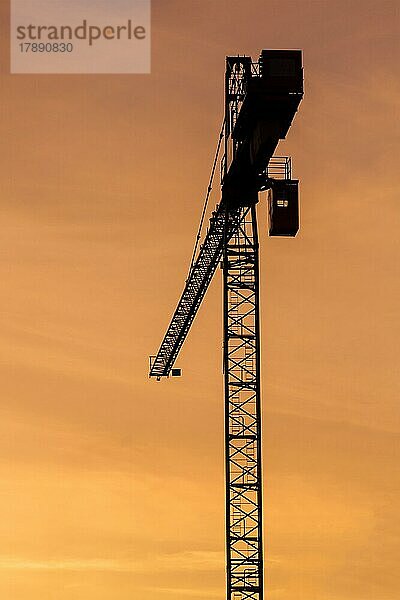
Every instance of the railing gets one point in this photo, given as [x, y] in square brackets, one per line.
[279, 167]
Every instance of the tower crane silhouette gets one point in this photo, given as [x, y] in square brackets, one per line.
[261, 100]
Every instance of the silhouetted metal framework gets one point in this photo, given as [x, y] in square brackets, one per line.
[261, 100]
[221, 226]
[243, 411]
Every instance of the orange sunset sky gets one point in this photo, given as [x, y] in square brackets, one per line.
[112, 485]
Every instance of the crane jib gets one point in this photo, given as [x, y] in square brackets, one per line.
[222, 226]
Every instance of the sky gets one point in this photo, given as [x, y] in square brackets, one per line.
[111, 484]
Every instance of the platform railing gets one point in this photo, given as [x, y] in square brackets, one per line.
[279, 167]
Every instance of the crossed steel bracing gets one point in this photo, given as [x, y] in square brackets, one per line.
[242, 410]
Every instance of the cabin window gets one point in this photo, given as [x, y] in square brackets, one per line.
[282, 203]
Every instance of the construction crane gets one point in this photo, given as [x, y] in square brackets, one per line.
[261, 100]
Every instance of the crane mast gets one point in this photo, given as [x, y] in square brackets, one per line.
[242, 410]
[261, 100]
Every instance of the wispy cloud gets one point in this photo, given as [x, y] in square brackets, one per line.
[187, 592]
[181, 561]
[94, 564]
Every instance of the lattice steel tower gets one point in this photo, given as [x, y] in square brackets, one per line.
[261, 99]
